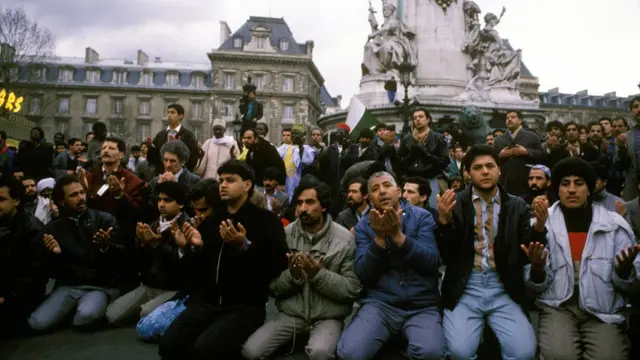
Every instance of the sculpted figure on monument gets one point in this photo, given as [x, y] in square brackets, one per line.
[389, 46]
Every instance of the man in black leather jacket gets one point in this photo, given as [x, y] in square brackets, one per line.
[85, 257]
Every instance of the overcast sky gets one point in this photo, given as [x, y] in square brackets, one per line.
[571, 44]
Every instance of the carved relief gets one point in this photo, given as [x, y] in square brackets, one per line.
[388, 46]
[444, 4]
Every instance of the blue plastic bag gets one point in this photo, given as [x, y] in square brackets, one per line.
[153, 326]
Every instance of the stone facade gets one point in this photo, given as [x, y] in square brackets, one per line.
[289, 85]
[582, 107]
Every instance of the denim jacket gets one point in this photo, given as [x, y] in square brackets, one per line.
[601, 289]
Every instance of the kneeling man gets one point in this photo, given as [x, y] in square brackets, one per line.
[397, 261]
[316, 293]
[592, 265]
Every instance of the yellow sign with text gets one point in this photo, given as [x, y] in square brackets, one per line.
[10, 101]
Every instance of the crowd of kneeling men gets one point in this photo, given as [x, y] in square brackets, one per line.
[433, 283]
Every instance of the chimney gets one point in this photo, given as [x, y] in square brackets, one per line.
[310, 44]
[583, 93]
[610, 94]
[7, 53]
[91, 56]
[554, 91]
[158, 59]
[225, 31]
[339, 100]
[142, 58]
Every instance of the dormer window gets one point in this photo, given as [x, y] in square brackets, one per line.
[259, 42]
[38, 74]
[197, 81]
[237, 42]
[66, 75]
[284, 45]
[147, 78]
[120, 77]
[93, 76]
[172, 79]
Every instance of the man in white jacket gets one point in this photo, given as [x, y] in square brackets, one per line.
[217, 150]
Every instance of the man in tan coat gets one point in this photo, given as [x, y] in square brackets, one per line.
[217, 150]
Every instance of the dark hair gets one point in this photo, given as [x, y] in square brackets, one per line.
[635, 98]
[177, 107]
[620, 118]
[497, 131]
[29, 177]
[581, 127]
[555, 124]
[426, 113]
[135, 148]
[207, 189]
[518, 113]
[3, 135]
[286, 130]
[38, 129]
[122, 146]
[16, 189]
[601, 171]
[424, 188]
[87, 134]
[173, 189]
[592, 124]
[60, 143]
[237, 167]
[266, 127]
[365, 133]
[364, 188]
[457, 146]
[573, 166]
[99, 127]
[57, 194]
[323, 191]
[381, 126]
[253, 132]
[478, 150]
[272, 173]
[72, 141]
[605, 118]
[571, 123]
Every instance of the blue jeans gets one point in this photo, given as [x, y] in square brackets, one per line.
[376, 322]
[485, 298]
[392, 96]
[88, 302]
[435, 190]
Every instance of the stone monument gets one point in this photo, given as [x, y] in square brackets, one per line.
[458, 56]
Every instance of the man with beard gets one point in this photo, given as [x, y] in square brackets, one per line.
[357, 204]
[262, 155]
[540, 185]
[34, 157]
[318, 289]
[482, 285]
[397, 261]
[244, 249]
[22, 276]
[36, 205]
[85, 256]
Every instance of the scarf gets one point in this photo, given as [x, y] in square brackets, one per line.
[420, 138]
[164, 224]
[224, 141]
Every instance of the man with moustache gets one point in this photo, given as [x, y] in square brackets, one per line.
[357, 203]
[540, 185]
[277, 201]
[85, 256]
[261, 155]
[34, 204]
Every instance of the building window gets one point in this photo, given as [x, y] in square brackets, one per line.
[229, 81]
[227, 108]
[88, 127]
[63, 105]
[118, 106]
[259, 82]
[66, 75]
[288, 112]
[120, 77]
[260, 42]
[38, 74]
[117, 128]
[62, 127]
[284, 45]
[197, 81]
[144, 108]
[172, 79]
[93, 76]
[197, 132]
[147, 78]
[91, 106]
[287, 85]
[144, 131]
[237, 42]
[196, 110]
[35, 105]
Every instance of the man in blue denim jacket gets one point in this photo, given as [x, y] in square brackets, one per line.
[397, 261]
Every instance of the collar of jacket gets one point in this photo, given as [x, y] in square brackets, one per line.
[467, 193]
[298, 230]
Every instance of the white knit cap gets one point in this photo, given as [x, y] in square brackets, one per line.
[47, 183]
[219, 122]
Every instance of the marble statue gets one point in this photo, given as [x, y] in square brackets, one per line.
[492, 64]
[473, 126]
[389, 46]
